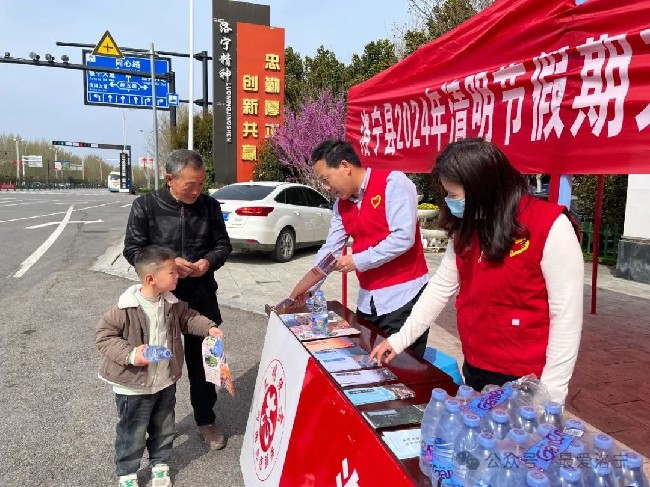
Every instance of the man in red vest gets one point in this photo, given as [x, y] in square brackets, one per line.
[378, 209]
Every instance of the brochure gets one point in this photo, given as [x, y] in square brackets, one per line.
[329, 344]
[215, 364]
[368, 395]
[403, 443]
[366, 376]
[300, 325]
[314, 276]
[386, 418]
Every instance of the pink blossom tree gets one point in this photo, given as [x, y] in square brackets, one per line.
[317, 119]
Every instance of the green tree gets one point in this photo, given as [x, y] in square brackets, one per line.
[294, 78]
[269, 167]
[377, 56]
[614, 198]
[202, 140]
[323, 72]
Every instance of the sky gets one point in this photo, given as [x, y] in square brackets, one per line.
[48, 103]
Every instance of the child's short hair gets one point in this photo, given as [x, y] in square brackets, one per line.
[151, 258]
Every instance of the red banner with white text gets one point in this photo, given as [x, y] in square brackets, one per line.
[561, 88]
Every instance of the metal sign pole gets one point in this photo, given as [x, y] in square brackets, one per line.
[156, 176]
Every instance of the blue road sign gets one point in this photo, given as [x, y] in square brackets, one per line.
[172, 98]
[123, 90]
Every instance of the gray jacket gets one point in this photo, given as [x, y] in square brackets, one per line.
[124, 327]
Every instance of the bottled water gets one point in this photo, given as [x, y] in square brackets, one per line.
[535, 478]
[578, 458]
[603, 474]
[156, 353]
[447, 429]
[528, 419]
[319, 313]
[465, 395]
[511, 473]
[518, 440]
[544, 429]
[603, 448]
[553, 414]
[633, 475]
[484, 456]
[499, 424]
[512, 406]
[465, 444]
[489, 388]
[432, 413]
[570, 477]
[575, 427]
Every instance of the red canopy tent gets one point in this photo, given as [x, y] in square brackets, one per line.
[561, 88]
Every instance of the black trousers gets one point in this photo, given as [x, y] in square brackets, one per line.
[477, 378]
[392, 322]
[203, 394]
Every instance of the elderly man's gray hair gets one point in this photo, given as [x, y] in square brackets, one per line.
[182, 158]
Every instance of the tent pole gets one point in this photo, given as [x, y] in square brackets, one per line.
[344, 281]
[600, 189]
[554, 188]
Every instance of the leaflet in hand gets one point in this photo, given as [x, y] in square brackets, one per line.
[315, 275]
[365, 376]
[215, 365]
[368, 395]
[342, 359]
[300, 325]
[387, 418]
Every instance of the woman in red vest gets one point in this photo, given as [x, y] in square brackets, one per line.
[517, 267]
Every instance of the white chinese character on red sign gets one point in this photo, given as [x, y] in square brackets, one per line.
[389, 134]
[351, 480]
[365, 133]
[437, 111]
[507, 77]
[548, 94]
[603, 61]
[377, 127]
[643, 118]
[482, 104]
[458, 105]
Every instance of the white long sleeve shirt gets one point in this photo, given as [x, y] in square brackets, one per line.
[563, 269]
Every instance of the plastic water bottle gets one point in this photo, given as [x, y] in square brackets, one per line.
[485, 456]
[575, 427]
[528, 419]
[156, 353]
[499, 424]
[603, 449]
[544, 429]
[465, 395]
[465, 444]
[632, 470]
[570, 477]
[511, 472]
[447, 430]
[535, 478]
[579, 458]
[518, 440]
[319, 313]
[603, 474]
[432, 413]
[553, 414]
[512, 406]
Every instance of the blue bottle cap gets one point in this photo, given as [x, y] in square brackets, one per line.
[535, 478]
[487, 440]
[471, 420]
[603, 441]
[320, 292]
[632, 460]
[575, 424]
[452, 405]
[544, 429]
[439, 394]
[576, 447]
[500, 416]
[528, 413]
[518, 435]
[601, 467]
[552, 407]
[465, 391]
[569, 473]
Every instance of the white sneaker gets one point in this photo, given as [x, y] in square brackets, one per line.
[128, 481]
[160, 476]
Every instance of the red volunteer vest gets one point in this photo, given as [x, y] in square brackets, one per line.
[368, 226]
[502, 307]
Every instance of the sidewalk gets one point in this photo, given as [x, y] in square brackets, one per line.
[609, 390]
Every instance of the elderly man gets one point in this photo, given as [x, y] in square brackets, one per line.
[190, 223]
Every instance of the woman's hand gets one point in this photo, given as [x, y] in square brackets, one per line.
[383, 353]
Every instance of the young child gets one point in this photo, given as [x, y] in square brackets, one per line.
[145, 392]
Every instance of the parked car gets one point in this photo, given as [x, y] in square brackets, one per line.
[275, 217]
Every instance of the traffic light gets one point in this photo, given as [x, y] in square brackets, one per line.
[58, 142]
[84, 144]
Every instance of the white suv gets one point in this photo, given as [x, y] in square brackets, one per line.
[274, 216]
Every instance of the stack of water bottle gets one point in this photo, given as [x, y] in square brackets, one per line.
[512, 436]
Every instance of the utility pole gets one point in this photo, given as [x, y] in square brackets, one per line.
[17, 160]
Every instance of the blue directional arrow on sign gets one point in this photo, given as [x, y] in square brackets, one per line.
[124, 90]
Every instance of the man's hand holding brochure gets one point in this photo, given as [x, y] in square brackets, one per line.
[310, 281]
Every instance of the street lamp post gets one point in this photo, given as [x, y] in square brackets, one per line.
[17, 161]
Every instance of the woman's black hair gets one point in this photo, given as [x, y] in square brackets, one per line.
[493, 190]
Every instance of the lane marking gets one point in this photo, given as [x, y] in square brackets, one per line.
[38, 253]
[127, 205]
[55, 213]
[56, 223]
